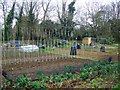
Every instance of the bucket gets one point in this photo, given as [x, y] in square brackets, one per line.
[16, 43]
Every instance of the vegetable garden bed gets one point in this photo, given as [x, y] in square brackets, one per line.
[101, 74]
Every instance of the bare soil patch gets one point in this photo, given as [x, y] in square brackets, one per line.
[48, 68]
[50, 65]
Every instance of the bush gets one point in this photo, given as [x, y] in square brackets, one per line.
[116, 87]
[107, 41]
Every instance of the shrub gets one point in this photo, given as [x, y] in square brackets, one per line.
[116, 87]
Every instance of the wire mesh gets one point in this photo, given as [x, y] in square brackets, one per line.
[51, 47]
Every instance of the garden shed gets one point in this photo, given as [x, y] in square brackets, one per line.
[87, 41]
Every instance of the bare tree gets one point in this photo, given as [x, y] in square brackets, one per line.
[115, 9]
[62, 11]
[118, 10]
[4, 7]
[36, 5]
[45, 8]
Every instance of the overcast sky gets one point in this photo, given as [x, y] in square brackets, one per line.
[79, 3]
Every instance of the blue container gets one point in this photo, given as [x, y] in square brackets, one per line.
[64, 42]
[16, 43]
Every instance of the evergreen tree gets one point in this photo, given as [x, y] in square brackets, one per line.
[67, 21]
[115, 29]
[8, 23]
[31, 21]
[19, 20]
[70, 23]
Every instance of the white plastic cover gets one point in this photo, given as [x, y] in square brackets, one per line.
[29, 48]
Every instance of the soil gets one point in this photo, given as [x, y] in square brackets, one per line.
[46, 67]
[98, 55]
[50, 66]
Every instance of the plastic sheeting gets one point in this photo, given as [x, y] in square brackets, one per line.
[29, 48]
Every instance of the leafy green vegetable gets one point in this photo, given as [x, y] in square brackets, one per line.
[22, 81]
